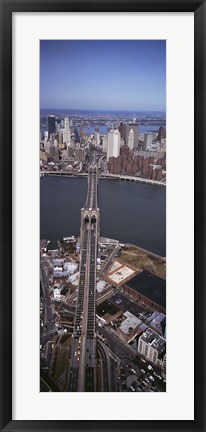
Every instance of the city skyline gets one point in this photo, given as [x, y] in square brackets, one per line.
[120, 75]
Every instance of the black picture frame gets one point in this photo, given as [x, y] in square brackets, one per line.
[7, 8]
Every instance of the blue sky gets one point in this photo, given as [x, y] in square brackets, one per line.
[103, 74]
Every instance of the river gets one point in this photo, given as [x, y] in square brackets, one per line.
[130, 212]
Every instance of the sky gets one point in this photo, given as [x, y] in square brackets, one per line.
[103, 74]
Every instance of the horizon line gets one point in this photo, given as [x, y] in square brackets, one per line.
[105, 109]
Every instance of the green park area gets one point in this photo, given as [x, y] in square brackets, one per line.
[144, 260]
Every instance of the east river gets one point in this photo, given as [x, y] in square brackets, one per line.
[130, 212]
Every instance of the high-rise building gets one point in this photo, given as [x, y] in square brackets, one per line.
[131, 139]
[161, 133]
[51, 125]
[66, 131]
[148, 137]
[59, 137]
[129, 136]
[121, 129]
[105, 143]
[113, 146]
[97, 138]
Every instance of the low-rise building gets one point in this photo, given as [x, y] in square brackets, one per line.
[108, 312]
[129, 327]
[148, 289]
[157, 321]
[120, 273]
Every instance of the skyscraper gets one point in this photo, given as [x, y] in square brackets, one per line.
[161, 133]
[135, 128]
[97, 137]
[113, 146]
[131, 139]
[51, 125]
[148, 137]
[66, 132]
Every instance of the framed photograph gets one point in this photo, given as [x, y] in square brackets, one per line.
[102, 205]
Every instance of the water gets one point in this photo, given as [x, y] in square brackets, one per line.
[104, 129]
[110, 116]
[130, 212]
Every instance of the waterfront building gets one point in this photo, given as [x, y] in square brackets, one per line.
[79, 154]
[43, 156]
[65, 155]
[148, 289]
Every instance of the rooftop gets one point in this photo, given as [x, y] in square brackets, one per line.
[158, 321]
[130, 323]
[155, 341]
[107, 307]
[150, 286]
[120, 273]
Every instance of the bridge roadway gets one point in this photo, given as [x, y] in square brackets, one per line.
[83, 354]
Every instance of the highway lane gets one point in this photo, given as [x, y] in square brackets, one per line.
[105, 365]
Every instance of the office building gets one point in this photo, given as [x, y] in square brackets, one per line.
[131, 135]
[113, 146]
[104, 143]
[148, 137]
[161, 133]
[51, 125]
[131, 139]
[97, 138]
[66, 131]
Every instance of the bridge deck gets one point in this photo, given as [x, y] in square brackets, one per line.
[83, 355]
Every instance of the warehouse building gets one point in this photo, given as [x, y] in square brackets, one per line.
[148, 289]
